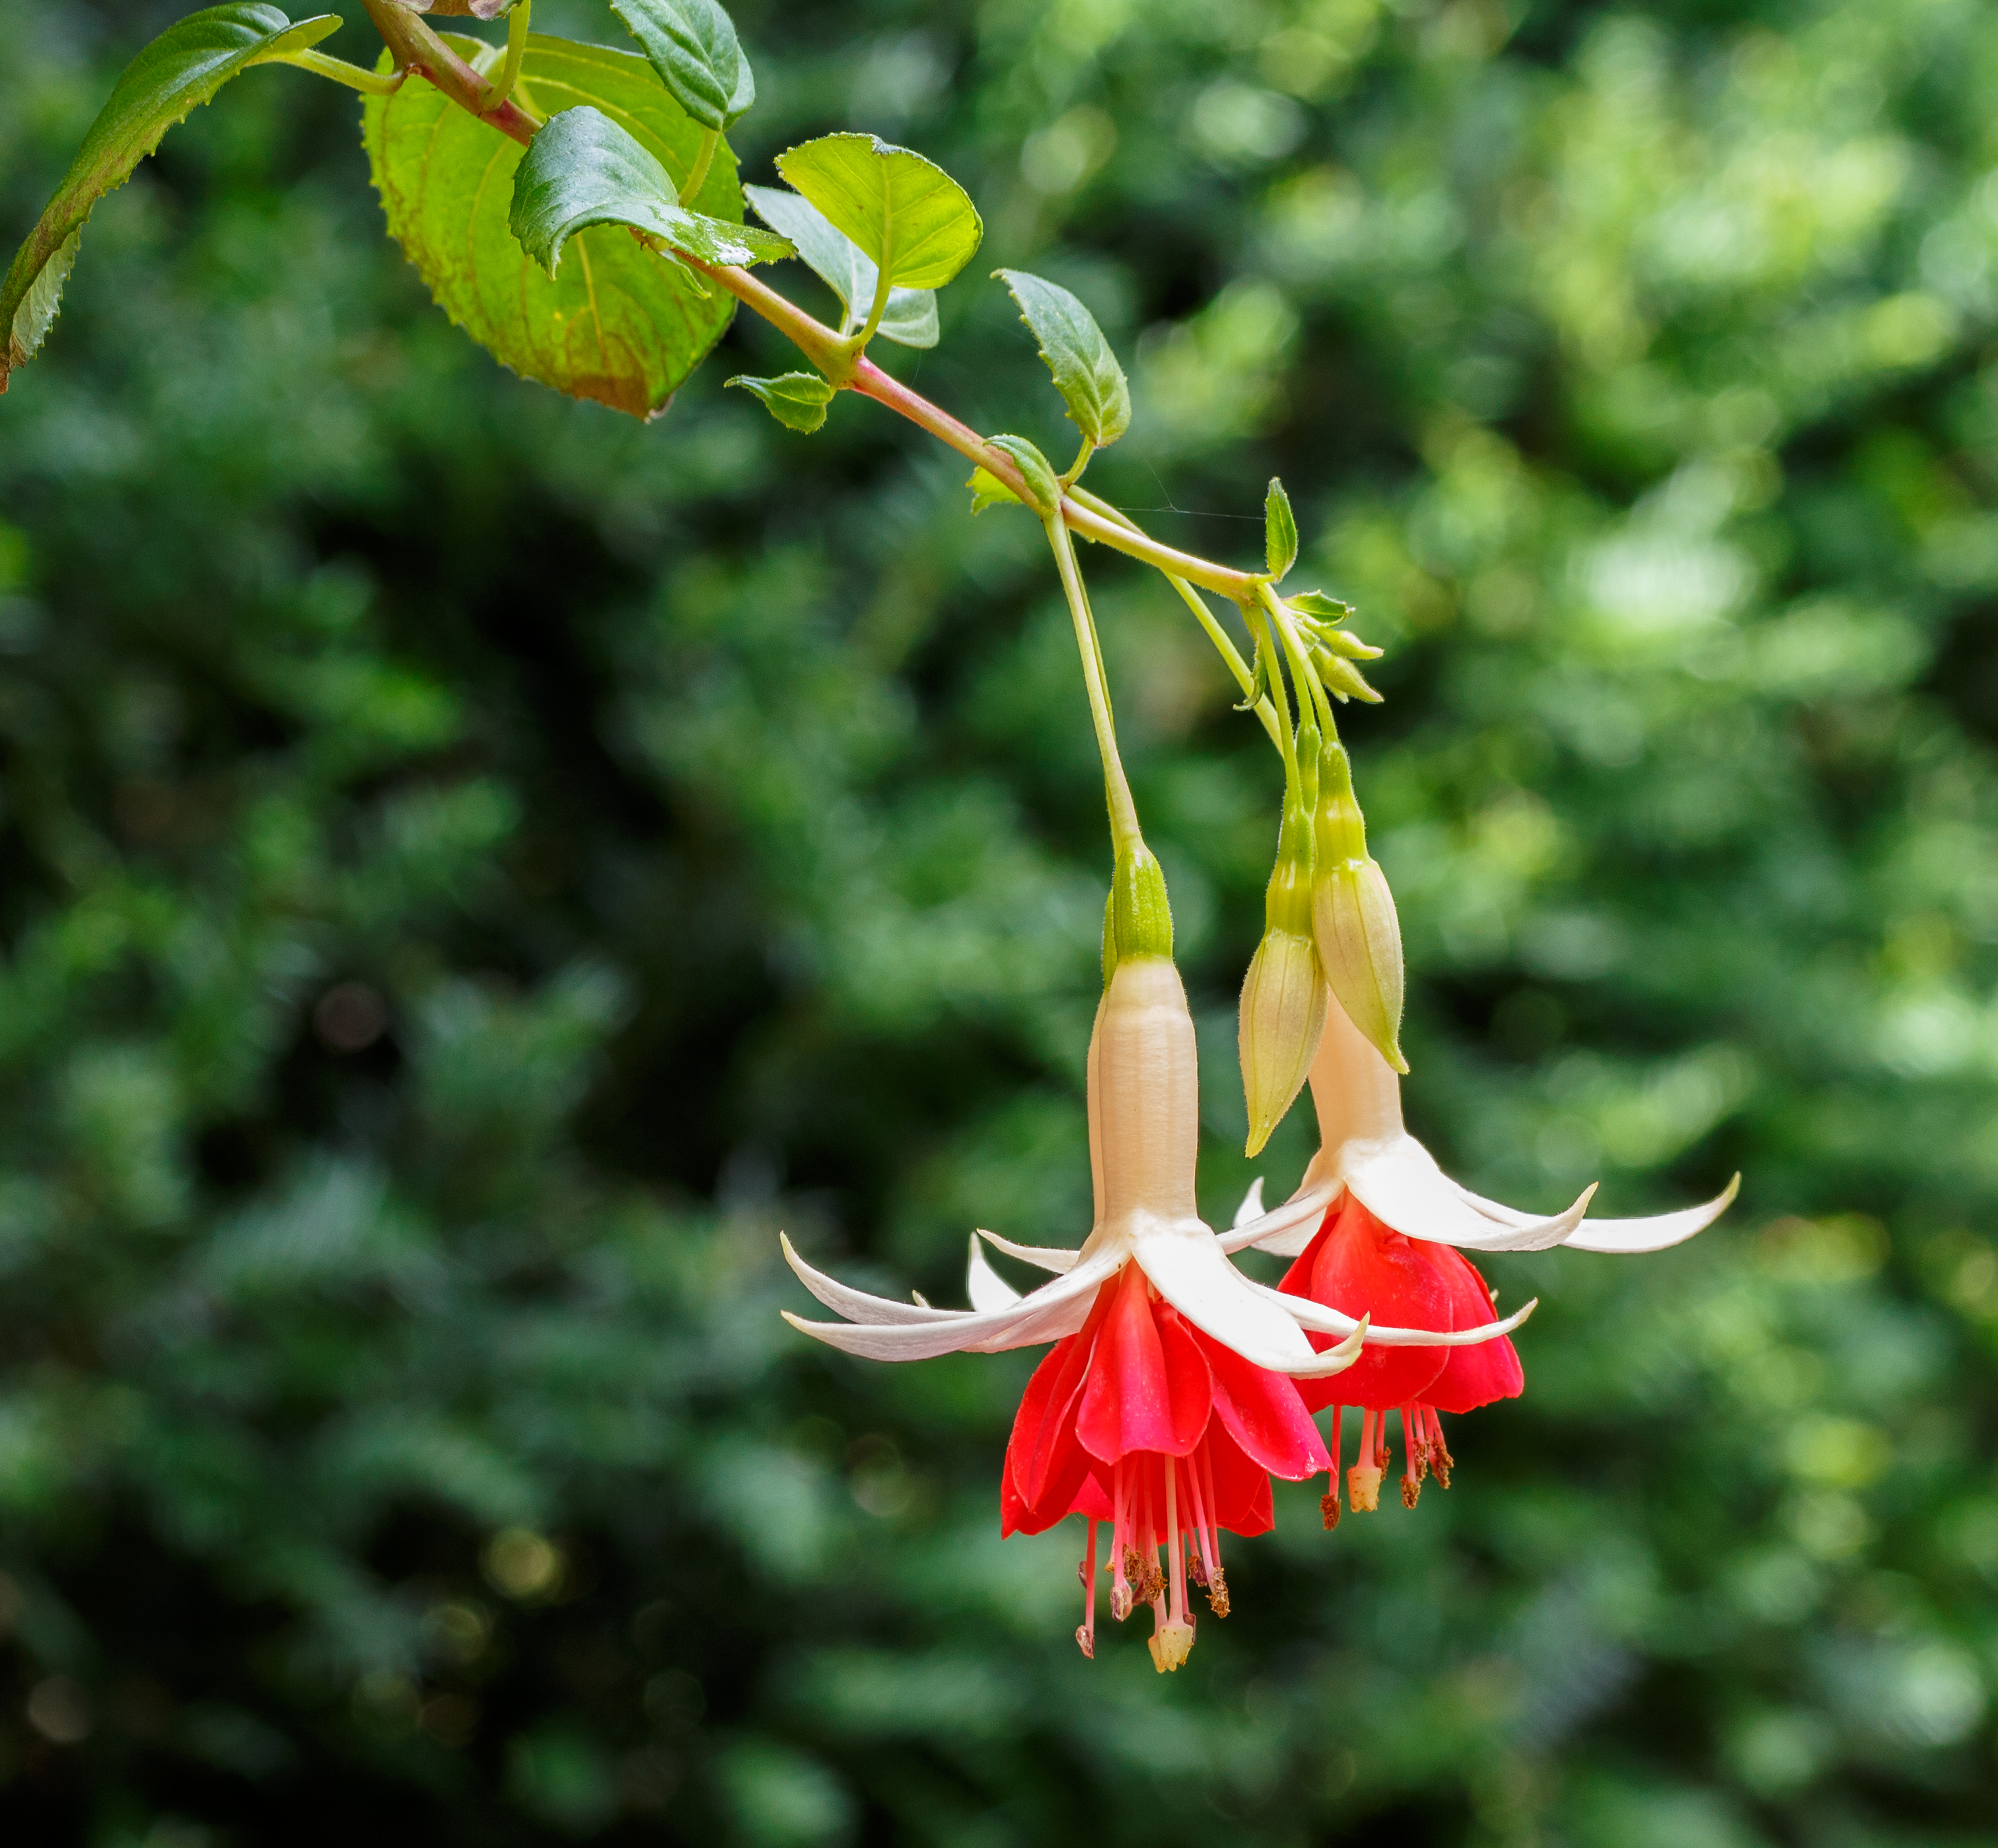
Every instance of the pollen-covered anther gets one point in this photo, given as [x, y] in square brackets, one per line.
[1411, 1490]
[1121, 1602]
[1170, 1646]
[1084, 1642]
[1196, 1572]
[1147, 1581]
[1217, 1592]
[1328, 1509]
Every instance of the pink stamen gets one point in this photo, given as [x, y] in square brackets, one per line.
[1208, 1564]
[1120, 1542]
[1085, 1637]
[1214, 1508]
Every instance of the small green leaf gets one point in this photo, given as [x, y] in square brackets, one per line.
[583, 170]
[1042, 483]
[909, 215]
[173, 76]
[692, 46]
[1258, 681]
[1279, 530]
[1086, 371]
[1315, 602]
[988, 491]
[910, 317]
[797, 400]
[617, 326]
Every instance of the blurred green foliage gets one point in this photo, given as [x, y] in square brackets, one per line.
[476, 866]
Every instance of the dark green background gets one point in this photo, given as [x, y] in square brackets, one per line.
[709, 814]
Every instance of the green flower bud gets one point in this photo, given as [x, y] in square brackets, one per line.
[1137, 920]
[1284, 994]
[1343, 680]
[1358, 936]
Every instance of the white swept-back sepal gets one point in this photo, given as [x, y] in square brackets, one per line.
[1659, 1233]
[1286, 1230]
[1399, 1182]
[1047, 1325]
[988, 1291]
[877, 1341]
[1251, 1208]
[948, 1331]
[1047, 1257]
[1623, 1237]
[1323, 1321]
[1186, 1261]
[858, 1305]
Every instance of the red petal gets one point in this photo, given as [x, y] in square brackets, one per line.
[1149, 1387]
[1044, 1465]
[1092, 1499]
[1242, 1501]
[1265, 1413]
[1475, 1376]
[1359, 1266]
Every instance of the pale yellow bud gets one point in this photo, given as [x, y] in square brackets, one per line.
[1352, 916]
[1359, 947]
[1282, 1019]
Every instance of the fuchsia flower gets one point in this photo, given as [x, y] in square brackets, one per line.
[1142, 1420]
[1164, 1408]
[1375, 1229]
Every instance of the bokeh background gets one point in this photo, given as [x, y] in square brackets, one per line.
[473, 868]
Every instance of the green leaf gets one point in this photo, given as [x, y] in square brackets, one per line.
[692, 46]
[617, 325]
[1315, 602]
[1086, 371]
[1042, 483]
[177, 73]
[797, 400]
[911, 316]
[1279, 530]
[909, 215]
[988, 491]
[583, 170]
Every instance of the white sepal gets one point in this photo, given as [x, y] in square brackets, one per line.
[1324, 1321]
[899, 1339]
[1624, 1237]
[1185, 1262]
[1287, 1229]
[1047, 1257]
[987, 1291]
[1401, 1185]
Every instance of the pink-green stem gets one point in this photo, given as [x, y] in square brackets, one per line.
[417, 48]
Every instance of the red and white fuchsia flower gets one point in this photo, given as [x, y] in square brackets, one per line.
[1377, 1228]
[1167, 1403]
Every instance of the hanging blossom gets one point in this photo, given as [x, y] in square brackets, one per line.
[1377, 1229]
[1166, 1405]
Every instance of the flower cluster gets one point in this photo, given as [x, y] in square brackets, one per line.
[1178, 1387]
